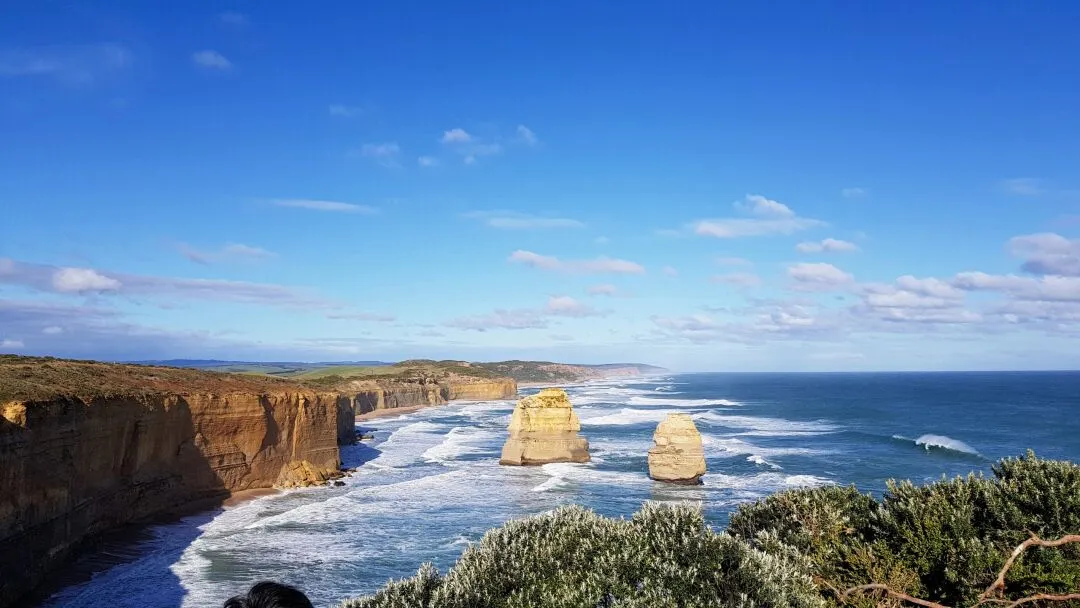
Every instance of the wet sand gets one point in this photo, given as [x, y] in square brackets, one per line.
[243, 496]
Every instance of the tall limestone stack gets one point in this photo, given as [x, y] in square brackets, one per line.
[677, 456]
[544, 429]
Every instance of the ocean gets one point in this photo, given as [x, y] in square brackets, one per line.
[430, 483]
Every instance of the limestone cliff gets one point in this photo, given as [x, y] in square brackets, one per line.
[678, 456]
[371, 395]
[543, 429]
[85, 447]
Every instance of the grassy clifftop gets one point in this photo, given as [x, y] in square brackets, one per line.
[28, 378]
[40, 378]
[520, 371]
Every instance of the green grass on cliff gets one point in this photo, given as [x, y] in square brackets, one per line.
[398, 371]
[42, 378]
[945, 542]
[520, 371]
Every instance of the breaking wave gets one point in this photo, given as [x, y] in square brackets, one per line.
[624, 416]
[940, 442]
[674, 402]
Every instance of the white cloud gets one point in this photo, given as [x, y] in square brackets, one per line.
[78, 280]
[1049, 288]
[565, 306]
[670, 271]
[456, 136]
[428, 161]
[854, 192]
[601, 265]
[362, 316]
[1023, 186]
[526, 136]
[52, 330]
[692, 323]
[818, 277]
[78, 65]
[906, 299]
[345, 111]
[234, 19]
[930, 287]
[737, 279]
[317, 205]
[511, 220]
[386, 154]
[1047, 253]
[562, 337]
[758, 205]
[605, 289]
[917, 300]
[211, 60]
[829, 245]
[12, 344]
[770, 217]
[230, 252]
[51, 279]
[526, 318]
[762, 322]
[501, 319]
[468, 146]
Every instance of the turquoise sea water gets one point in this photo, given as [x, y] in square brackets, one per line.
[430, 484]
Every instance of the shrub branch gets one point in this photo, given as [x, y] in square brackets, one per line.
[995, 589]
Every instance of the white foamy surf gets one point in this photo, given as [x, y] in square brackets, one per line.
[945, 443]
[430, 484]
[676, 402]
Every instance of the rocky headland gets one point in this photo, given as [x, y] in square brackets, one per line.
[86, 446]
[677, 456]
[543, 429]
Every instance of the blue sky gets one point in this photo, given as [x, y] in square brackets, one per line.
[707, 186]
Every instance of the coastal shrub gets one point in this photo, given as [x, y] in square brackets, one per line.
[945, 541]
[663, 556]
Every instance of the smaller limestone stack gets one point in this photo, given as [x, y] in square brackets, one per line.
[543, 429]
[677, 456]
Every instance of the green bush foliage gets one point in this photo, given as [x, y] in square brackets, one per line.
[944, 542]
[662, 557]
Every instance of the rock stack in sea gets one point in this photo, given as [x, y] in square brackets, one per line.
[544, 429]
[677, 456]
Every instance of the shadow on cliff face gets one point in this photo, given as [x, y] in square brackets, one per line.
[74, 475]
[146, 550]
[355, 455]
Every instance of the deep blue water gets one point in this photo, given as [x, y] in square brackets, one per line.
[430, 483]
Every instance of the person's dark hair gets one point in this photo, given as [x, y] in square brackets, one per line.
[268, 594]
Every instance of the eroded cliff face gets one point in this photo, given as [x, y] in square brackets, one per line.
[370, 397]
[503, 388]
[71, 467]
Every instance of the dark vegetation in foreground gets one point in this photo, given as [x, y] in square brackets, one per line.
[948, 543]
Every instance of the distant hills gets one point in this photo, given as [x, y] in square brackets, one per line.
[521, 371]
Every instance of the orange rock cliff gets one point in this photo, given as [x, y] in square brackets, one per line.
[85, 447]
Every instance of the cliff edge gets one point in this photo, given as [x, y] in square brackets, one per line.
[87, 446]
